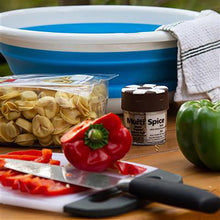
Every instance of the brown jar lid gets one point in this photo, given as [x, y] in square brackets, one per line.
[145, 98]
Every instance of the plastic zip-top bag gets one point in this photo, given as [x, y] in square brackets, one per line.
[39, 109]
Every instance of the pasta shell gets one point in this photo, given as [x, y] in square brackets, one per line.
[92, 115]
[1, 140]
[59, 124]
[25, 105]
[56, 139]
[25, 139]
[63, 99]
[2, 119]
[29, 114]
[10, 110]
[81, 104]
[39, 110]
[100, 90]
[98, 104]
[46, 141]
[28, 96]
[1, 91]
[71, 116]
[47, 93]
[24, 124]
[42, 126]
[49, 106]
[10, 95]
[8, 131]
[94, 99]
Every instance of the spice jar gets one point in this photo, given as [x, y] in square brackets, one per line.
[145, 113]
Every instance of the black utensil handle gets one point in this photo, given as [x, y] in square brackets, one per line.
[175, 194]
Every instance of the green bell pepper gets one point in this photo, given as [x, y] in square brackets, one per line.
[198, 132]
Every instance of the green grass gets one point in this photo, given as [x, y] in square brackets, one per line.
[6, 5]
[5, 70]
[197, 5]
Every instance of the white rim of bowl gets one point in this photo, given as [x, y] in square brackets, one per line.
[26, 38]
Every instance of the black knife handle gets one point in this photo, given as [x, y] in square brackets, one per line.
[175, 194]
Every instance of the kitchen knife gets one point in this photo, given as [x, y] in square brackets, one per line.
[153, 189]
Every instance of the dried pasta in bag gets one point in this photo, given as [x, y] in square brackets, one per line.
[36, 110]
[25, 139]
[8, 131]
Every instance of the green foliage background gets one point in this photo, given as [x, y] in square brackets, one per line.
[197, 5]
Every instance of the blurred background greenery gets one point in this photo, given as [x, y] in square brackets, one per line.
[197, 5]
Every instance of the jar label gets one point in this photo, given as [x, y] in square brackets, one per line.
[146, 128]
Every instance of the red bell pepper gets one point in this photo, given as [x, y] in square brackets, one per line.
[96, 145]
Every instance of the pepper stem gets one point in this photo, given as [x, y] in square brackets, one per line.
[96, 136]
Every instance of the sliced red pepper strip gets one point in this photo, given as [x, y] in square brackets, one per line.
[12, 179]
[33, 185]
[53, 188]
[129, 169]
[19, 157]
[26, 152]
[60, 189]
[16, 184]
[36, 185]
[43, 156]
[46, 156]
[6, 175]
[23, 183]
[54, 162]
[2, 163]
[30, 184]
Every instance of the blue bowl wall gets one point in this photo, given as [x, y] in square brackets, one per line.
[136, 67]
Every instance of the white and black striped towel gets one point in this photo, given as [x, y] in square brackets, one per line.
[198, 61]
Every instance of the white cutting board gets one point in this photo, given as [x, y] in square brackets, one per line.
[54, 203]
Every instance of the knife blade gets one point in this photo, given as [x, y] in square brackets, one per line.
[153, 189]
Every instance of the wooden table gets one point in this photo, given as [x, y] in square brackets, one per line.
[167, 157]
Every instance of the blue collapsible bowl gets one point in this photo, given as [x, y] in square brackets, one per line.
[94, 39]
